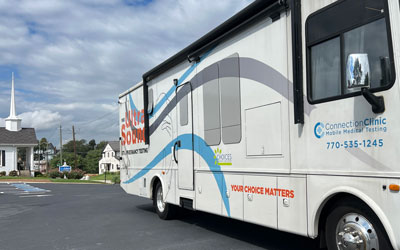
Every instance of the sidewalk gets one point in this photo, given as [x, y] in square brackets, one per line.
[102, 181]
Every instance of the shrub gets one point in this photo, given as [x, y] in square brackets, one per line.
[3, 173]
[116, 179]
[54, 173]
[75, 174]
[13, 173]
[38, 174]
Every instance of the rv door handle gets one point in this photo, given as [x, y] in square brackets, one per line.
[177, 143]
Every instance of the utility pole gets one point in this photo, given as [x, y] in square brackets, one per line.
[73, 137]
[39, 155]
[47, 158]
[61, 163]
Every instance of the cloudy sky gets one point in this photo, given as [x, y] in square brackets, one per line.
[73, 58]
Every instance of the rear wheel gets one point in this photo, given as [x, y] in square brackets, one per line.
[353, 226]
[164, 210]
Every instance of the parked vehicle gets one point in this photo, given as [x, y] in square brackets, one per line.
[286, 116]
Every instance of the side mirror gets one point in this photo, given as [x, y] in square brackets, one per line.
[357, 72]
[358, 78]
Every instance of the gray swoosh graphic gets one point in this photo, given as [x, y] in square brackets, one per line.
[250, 69]
[368, 159]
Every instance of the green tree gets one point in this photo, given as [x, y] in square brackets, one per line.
[81, 147]
[88, 155]
[91, 162]
[92, 144]
[43, 147]
[102, 145]
[69, 159]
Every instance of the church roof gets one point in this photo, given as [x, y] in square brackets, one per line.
[26, 136]
[114, 145]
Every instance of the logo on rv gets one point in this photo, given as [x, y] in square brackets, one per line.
[319, 130]
[130, 132]
[222, 159]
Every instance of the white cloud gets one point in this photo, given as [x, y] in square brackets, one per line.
[41, 119]
[75, 57]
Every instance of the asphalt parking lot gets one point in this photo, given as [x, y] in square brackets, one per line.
[91, 216]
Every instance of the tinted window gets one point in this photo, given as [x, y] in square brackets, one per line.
[183, 110]
[341, 16]
[325, 69]
[150, 104]
[372, 40]
[212, 124]
[230, 99]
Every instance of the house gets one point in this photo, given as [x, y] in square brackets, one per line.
[50, 152]
[110, 158]
[16, 143]
[46, 155]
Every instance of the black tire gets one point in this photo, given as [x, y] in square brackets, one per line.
[169, 210]
[354, 212]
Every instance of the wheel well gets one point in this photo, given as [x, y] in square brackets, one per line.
[329, 205]
[153, 185]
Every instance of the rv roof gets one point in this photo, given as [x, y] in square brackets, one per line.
[234, 24]
[137, 85]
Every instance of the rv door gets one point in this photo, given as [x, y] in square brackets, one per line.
[183, 148]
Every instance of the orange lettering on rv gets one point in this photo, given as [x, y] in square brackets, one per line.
[123, 134]
[128, 137]
[141, 134]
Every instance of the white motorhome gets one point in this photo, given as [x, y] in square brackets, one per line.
[286, 115]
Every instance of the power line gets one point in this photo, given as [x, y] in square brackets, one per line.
[99, 118]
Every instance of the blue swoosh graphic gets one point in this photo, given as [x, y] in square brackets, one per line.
[200, 147]
[158, 106]
[180, 81]
[133, 108]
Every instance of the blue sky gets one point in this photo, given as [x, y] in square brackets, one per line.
[73, 58]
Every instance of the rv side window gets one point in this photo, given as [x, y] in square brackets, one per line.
[230, 99]
[183, 110]
[371, 39]
[150, 104]
[325, 69]
[348, 53]
[212, 123]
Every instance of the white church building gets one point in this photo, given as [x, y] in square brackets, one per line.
[16, 143]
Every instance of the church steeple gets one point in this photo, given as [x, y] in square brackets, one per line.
[13, 123]
[12, 105]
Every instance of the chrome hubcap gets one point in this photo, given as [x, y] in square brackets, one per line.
[355, 232]
[160, 200]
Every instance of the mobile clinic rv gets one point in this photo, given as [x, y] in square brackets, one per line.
[286, 115]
